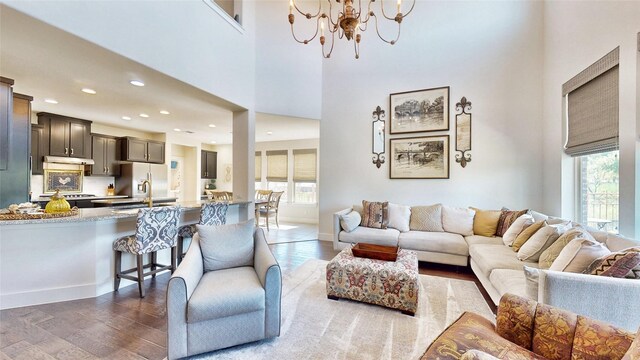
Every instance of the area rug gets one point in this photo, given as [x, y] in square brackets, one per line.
[314, 327]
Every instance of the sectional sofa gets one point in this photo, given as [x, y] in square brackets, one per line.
[497, 267]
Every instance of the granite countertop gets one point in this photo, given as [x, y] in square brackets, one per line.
[107, 213]
[127, 200]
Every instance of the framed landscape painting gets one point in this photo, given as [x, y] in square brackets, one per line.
[419, 111]
[425, 157]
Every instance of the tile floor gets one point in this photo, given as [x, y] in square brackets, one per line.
[290, 232]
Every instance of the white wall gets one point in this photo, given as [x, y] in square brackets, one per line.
[490, 52]
[576, 34]
[288, 74]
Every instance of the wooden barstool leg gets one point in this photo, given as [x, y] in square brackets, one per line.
[266, 216]
[154, 261]
[117, 269]
[278, 225]
[180, 245]
[140, 262]
[174, 257]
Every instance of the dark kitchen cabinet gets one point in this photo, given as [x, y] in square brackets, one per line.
[37, 149]
[67, 136]
[105, 153]
[140, 150]
[208, 164]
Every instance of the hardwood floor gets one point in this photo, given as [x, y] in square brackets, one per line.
[123, 326]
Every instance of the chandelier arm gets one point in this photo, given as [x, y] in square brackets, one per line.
[326, 56]
[383, 13]
[410, 10]
[330, 13]
[304, 13]
[307, 40]
[356, 48]
[392, 42]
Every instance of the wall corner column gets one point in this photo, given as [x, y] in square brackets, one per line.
[244, 141]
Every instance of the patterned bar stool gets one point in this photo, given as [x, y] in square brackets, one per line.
[210, 214]
[156, 229]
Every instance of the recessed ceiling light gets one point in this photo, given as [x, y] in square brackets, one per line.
[144, 115]
[269, 132]
[126, 118]
[176, 129]
[164, 112]
[88, 91]
[213, 141]
[50, 101]
[212, 125]
[136, 83]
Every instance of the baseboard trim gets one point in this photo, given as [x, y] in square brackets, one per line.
[46, 296]
[294, 220]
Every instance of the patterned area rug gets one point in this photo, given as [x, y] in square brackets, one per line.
[314, 327]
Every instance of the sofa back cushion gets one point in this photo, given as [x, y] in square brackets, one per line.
[634, 351]
[551, 253]
[597, 340]
[457, 220]
[507, 217]
[526, 234]
[350, 221]
[618, 243]
[515, 319]
[554, 331]
[485, 222]
[375, 214]
[578, 255]
[426, 218]
[516, 228]
[539, 242]
[226, 246]
[399, 217]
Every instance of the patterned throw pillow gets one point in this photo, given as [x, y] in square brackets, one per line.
[578, 255]
[617, 264]
[375, 214]
[526, 234]
[507, 217]
[551, 253]
[426, 218]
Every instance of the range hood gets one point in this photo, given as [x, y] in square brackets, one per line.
[68, 160]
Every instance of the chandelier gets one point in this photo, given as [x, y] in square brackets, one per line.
[349, 22]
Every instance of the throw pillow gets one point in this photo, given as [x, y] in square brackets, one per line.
[485, 222]
[538, 216]
[532, 277]
[522, 238]
[539, 242]
[617, 264]
[457, 220]
[548, 256]
[634, 350]
[426, 218]
[507, 217]
[350, 221]
[577, 255]
[516, 228]
[375, 214]
[226, 246]
[399, 216]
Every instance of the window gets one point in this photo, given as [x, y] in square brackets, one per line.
[278, 172]
[599, 194]
[258, 166]
[304, 175]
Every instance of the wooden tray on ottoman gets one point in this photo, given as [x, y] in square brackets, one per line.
[377, 252]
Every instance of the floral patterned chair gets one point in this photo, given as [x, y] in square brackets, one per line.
[156, 229]
[210, 214]
[527, 330]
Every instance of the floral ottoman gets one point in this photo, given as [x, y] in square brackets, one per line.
[386, 283]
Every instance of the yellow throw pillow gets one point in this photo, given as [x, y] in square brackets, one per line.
[526, 234]
[485, 222]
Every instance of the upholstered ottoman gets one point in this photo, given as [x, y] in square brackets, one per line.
[390, 284]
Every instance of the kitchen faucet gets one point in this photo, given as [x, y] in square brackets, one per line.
[149, 199]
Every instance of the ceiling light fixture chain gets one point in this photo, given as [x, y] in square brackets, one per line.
[349, 22]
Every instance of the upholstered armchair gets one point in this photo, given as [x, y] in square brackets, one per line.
[211, 310]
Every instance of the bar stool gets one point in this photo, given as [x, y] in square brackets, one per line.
[210, 214]
[156, 229]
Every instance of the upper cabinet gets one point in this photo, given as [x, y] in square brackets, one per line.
[140, 150]
[106, 154]
[67, 136]
[208, 164]
[37, 149]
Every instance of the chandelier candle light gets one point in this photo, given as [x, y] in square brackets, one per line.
[349, 22]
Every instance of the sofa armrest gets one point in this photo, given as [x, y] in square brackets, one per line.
[611, 300]
[336, 226]
[270, 276]
[181, 286]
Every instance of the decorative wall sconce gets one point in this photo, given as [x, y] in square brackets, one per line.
[378, 133]
[463, 132]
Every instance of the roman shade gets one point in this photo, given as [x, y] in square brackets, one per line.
[304, 165]
[592, 107]
[258, 166]
[277, 164]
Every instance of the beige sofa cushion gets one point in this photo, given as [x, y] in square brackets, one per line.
[388, 237]
[440, 242]
[509, 281]
[490, 257]
[551, 253]
[526, 234]
[578, 255]
[539, 242]
[426, 218]
[479, 239]
[458, 220]
[399, 216]
[485, 222]
[516, 228]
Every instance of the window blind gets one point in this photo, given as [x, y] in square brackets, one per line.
[593, 107]
[304, 165]
[277, 164]
[258, 166]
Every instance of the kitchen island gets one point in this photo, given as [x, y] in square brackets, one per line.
[60, 259]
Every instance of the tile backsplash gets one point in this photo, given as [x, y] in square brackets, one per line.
[96, 185]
